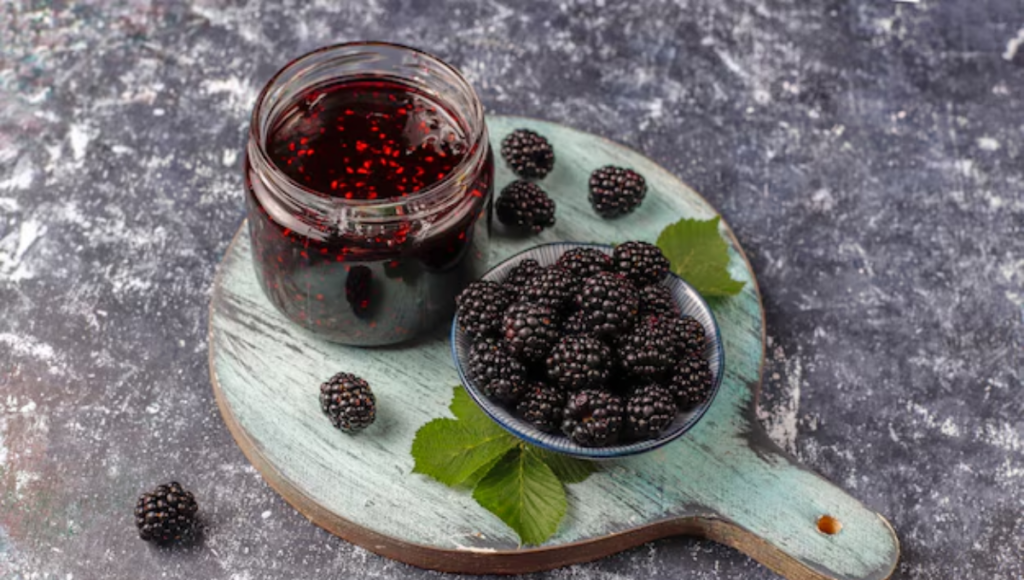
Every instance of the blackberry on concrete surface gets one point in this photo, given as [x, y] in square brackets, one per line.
[608, 304]
[616, 191]
[553, 287]
[481, 306]
[579, 362]
[691, 382]
[530, 331]
[657, 300]
[641, 262]
[520, 274]
[593, 417]
[649, 350]
[166, 514]
[525, 205]
[348, 402]
[585, 262]
[528, 154]
[650, 409]
[542, 406]
[496, 372]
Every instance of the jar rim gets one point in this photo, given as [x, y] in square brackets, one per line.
[476, 126]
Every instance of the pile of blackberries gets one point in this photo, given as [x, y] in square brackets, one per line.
[593, 346]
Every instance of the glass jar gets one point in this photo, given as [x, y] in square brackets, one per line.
[369, 181]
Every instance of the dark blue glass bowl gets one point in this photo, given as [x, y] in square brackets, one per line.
[689, 302]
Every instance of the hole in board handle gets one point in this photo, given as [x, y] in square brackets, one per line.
[829, 525]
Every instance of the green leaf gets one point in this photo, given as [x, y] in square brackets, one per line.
[566, 469]
[700, 256]
[525, 493]
[465, 409]
[453, 451]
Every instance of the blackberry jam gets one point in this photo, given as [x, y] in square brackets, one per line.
[369, 180]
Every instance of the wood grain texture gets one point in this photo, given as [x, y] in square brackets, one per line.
[724, 480]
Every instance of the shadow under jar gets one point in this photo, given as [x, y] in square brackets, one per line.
[369, 182]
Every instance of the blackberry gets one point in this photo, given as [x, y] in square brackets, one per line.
[641, 262]
[495, 372]
[348, 401]
[481, 305]
[575, 325]
[525, 205]
[616, 191]
[649, 350]
[657, 300]
[585, 262]
[166, 514]
[692, 336]
[542, 407]
[691, 383]
[553, 287]
[579, 362]
[608, 304]
[593, 417]
[650, 409]
[531, 330]
[528, 154]
[520, 274]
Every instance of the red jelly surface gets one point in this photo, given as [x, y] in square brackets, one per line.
[367, 140]
[362, 283]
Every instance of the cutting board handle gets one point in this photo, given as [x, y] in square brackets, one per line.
[796, 522]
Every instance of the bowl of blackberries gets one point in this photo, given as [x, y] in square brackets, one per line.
[589, 350]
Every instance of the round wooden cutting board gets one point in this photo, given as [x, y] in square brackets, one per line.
[724, 480]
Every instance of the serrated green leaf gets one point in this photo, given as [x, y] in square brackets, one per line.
[525, 493]
[700, 256]
[452, 451]
[479, 474]
[566, 469]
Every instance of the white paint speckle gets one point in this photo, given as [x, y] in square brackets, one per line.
[22, 175]
[265, 515]
[229, 157]
[1013, 45]
[28, 408]
[159, 112]
[79, 135]
[153, 409]
[988, 144]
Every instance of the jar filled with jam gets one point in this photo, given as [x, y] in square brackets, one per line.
[369, 180]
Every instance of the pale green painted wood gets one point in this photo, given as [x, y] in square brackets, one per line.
[725, 469]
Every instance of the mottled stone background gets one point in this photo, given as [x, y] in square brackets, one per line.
[866, 152]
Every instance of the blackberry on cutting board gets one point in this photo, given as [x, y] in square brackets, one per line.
[530, 331]
[608, 304]
[528, 154]
[657, 300]
[650, 409]
[616, 191]
[542, 406]
[524, 205]
[348, 402]
[642, 263]
[481, 306]
[585, 262]
[553, 287]
[593, 417]
[496, 372]
[649, 349]
[579, 362]
[520, 274]
[166, 514]
[691, 382]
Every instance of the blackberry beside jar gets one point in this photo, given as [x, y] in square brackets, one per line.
[369, 181]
